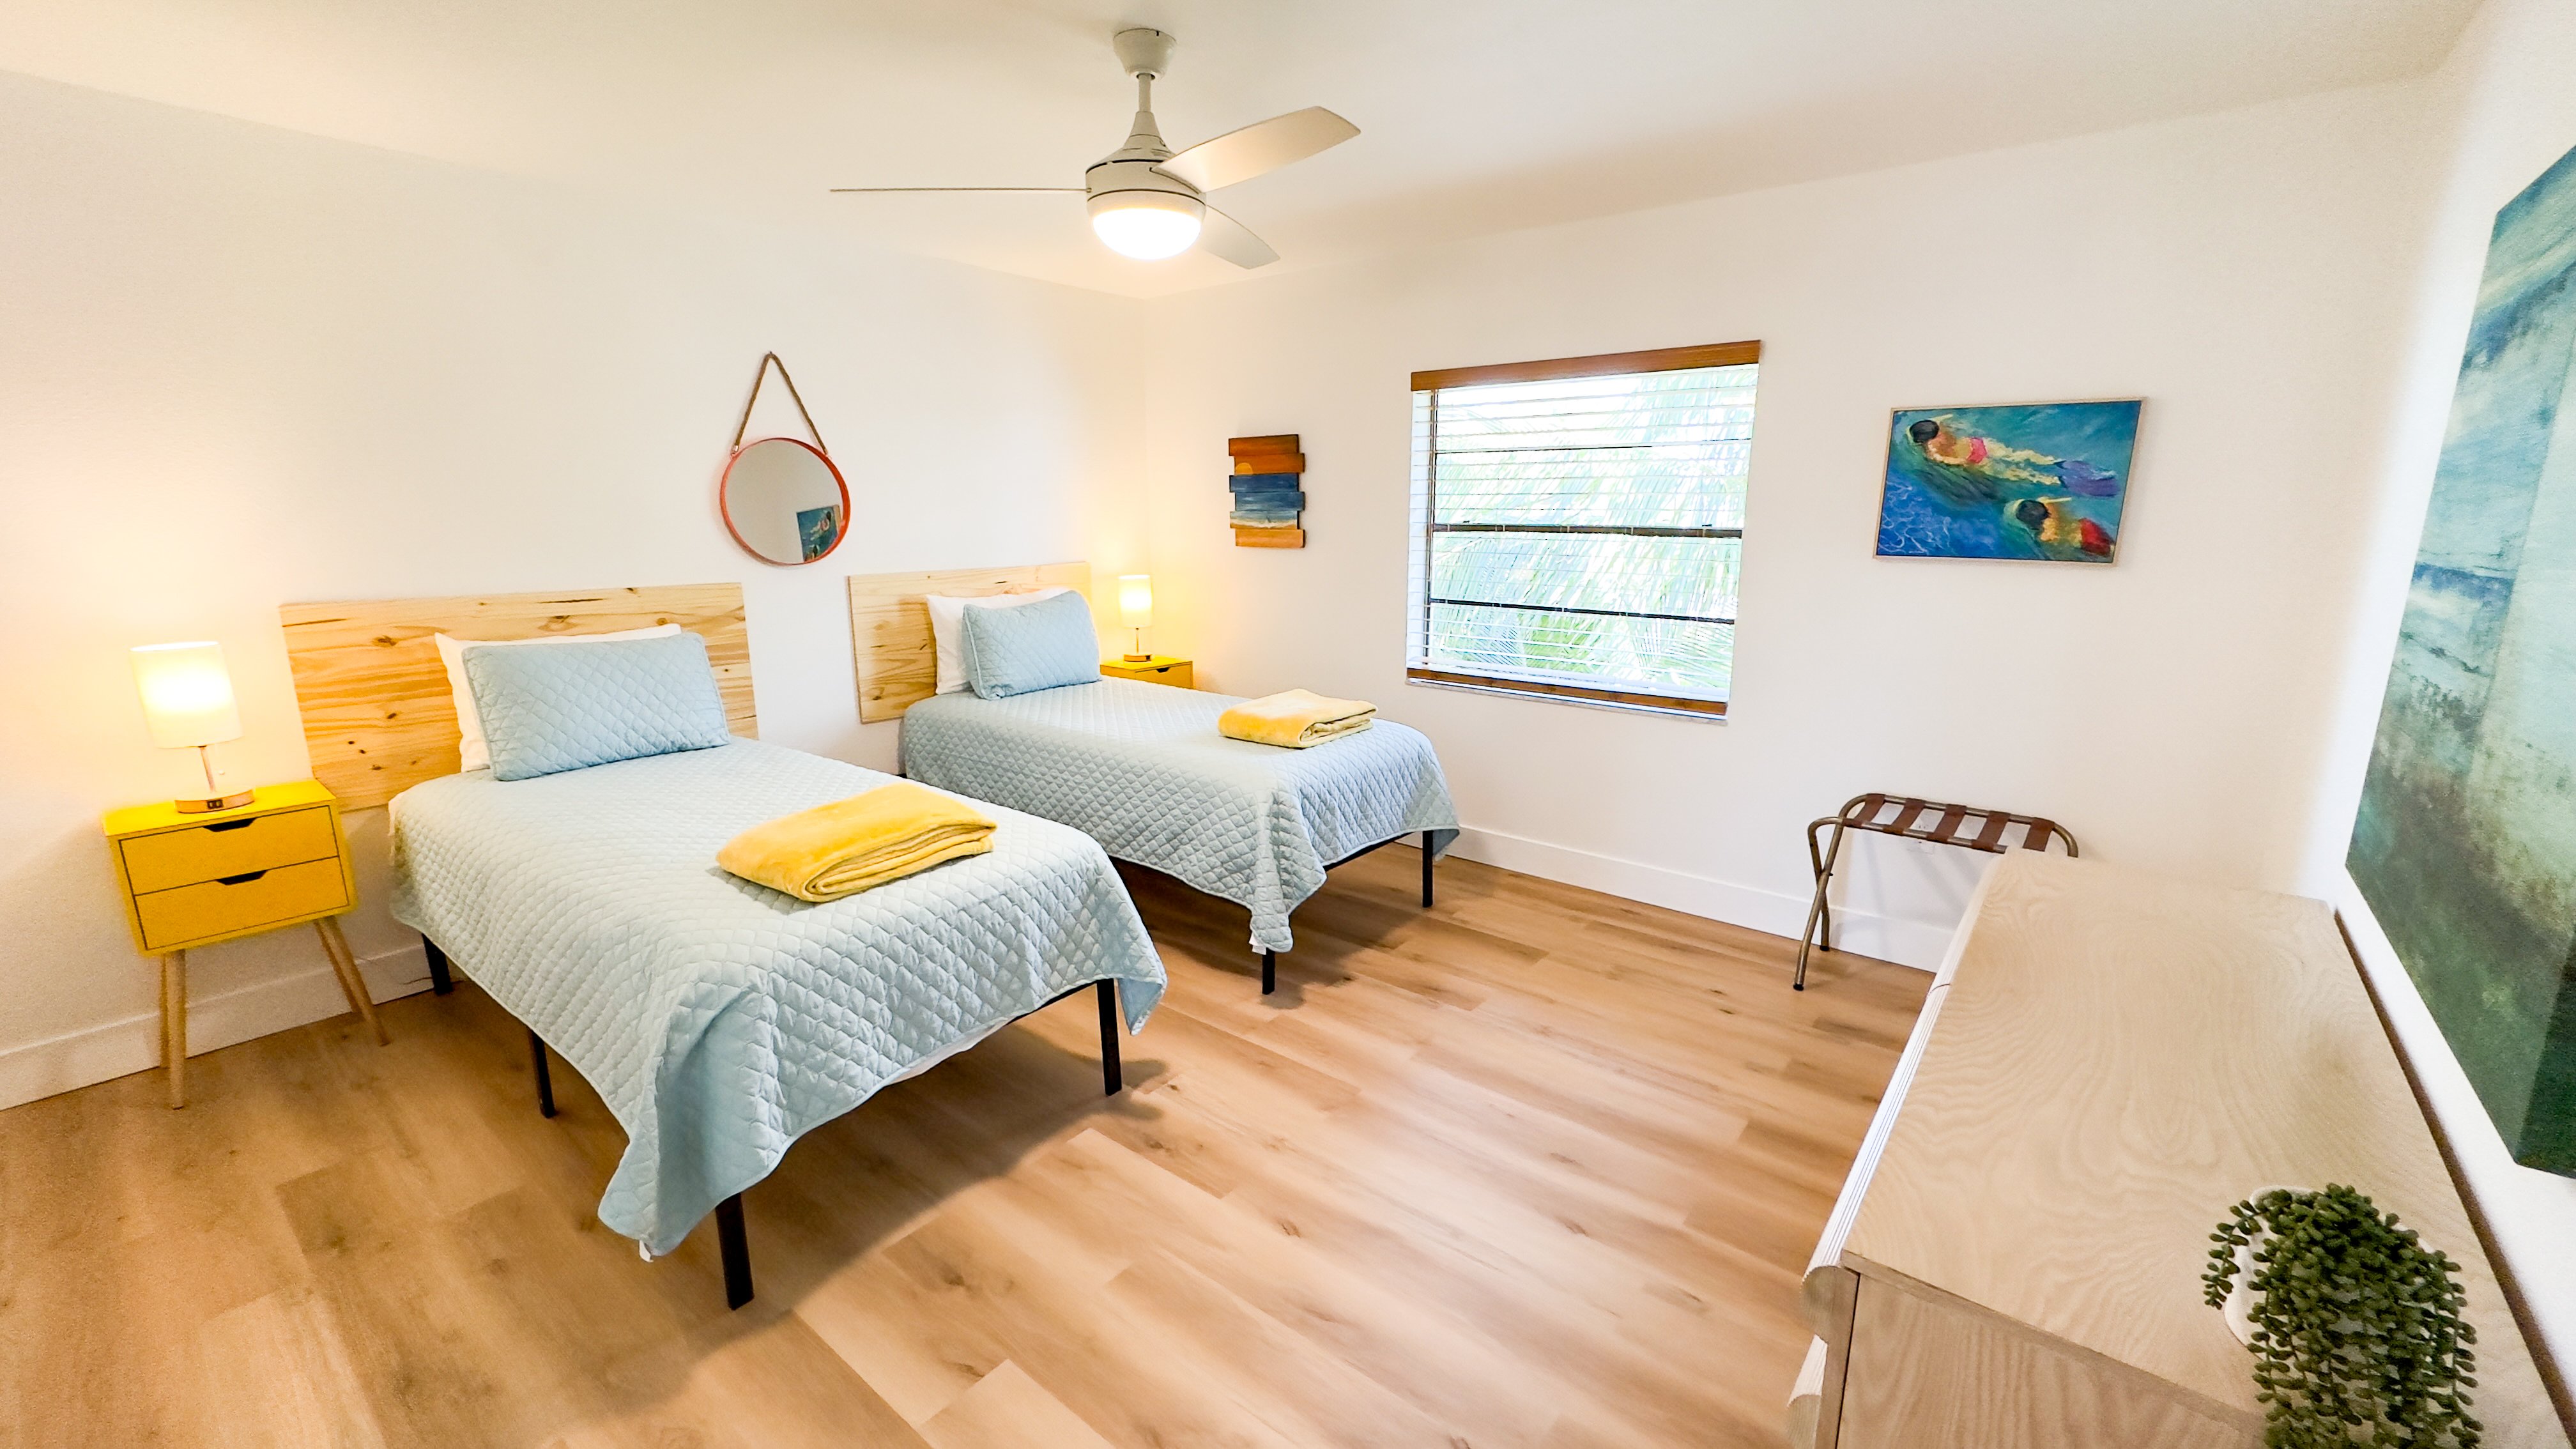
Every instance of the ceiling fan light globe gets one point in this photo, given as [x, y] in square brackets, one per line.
[1146, 225]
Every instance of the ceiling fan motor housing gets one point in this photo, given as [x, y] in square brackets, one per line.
[1135, 185]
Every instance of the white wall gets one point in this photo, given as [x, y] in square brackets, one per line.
[241, 366]
[2502, 110]
[2243, 272]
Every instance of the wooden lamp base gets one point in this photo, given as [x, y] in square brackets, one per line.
[213, 803]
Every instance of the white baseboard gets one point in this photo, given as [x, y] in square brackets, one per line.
[1919, 944]
[120, 1048]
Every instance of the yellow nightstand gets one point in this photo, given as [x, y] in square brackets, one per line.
[1161, 669]
[191, 880]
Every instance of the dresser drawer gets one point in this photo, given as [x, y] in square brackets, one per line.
[226, 848]
[185, 915]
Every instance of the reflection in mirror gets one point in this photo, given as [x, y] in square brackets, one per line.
[784, 500]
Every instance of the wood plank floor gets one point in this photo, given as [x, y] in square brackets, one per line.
[1538, 1168]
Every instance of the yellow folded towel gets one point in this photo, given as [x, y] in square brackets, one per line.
[1296, 719]
[853, 845]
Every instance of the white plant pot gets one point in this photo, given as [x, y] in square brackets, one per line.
[2238, 1310]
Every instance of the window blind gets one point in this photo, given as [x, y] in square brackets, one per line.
[1581, 534]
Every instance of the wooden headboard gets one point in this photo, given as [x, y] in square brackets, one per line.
[890, 626]
[378, 716]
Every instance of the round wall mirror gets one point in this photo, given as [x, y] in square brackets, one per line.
[784, 501]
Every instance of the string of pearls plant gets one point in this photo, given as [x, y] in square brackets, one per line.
[2357, 1334]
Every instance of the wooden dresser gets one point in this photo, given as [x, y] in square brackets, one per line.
[2109, 1060]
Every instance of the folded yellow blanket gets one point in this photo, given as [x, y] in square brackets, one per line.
[1295, 719]
[853, 845]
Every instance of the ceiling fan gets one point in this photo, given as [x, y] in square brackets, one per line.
[1149, 202]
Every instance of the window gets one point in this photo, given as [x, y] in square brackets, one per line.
[1578, 525]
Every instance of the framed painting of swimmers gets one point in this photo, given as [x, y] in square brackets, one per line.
[2040, 482]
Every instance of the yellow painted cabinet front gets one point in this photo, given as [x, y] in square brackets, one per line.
[192, 880]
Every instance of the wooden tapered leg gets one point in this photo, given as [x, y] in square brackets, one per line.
[344, 964]
[174, 1024]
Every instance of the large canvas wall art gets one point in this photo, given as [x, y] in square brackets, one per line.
[2465, 846]
[2036, 481]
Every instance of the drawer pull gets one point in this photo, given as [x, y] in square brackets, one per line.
[235, 824]
[242, 879]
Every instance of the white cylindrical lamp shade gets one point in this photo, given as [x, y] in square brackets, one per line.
[187, 694]
[1135, 600]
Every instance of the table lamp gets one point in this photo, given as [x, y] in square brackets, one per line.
[188, 701]
[1136, 609]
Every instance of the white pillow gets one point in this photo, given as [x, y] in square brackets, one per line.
[948, 610]
[471, 745]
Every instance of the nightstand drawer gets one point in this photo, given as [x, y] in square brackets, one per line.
[226, 848]
[192, 913]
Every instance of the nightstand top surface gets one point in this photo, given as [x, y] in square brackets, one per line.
[1159, 661]
[166, 815]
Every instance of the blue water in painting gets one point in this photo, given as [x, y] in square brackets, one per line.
[1266, 500]
[2465, 842]
[2030, 481]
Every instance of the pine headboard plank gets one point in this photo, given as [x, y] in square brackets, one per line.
[378, 717]
[890, 626]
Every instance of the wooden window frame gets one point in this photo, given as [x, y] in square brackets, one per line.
[1603, 364]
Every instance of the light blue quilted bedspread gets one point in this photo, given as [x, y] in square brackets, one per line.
[1141, 768]
[721, 1020]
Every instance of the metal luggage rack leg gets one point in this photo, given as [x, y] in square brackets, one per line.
[1949, 825]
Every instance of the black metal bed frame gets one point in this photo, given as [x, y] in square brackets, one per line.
[733, 1242]
[1270, 959]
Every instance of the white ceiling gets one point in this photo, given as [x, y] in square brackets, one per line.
[1476, 115]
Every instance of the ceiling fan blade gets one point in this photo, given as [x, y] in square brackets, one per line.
[1260, 147]
[885, 190]
[1223, 236]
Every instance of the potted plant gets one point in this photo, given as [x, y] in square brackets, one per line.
[2354, 1323]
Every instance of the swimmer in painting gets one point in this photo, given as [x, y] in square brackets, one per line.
[1969, 451]
[1999, 462]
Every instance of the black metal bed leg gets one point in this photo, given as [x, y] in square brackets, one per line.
[1269, 972]
[440, 982]
[734, 1246]
[1110, 1078]
[1426, 870]
[545, 1078]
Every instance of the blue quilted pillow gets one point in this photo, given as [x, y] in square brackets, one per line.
[1030, 647]
[548, 708]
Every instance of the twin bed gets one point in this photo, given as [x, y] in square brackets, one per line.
[1141, 768]
[720, 1020]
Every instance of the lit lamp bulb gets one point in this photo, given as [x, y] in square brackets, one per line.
[188, 701]
[1146, 225]
[1136, 609]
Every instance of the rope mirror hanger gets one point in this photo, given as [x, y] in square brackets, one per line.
[783, 499]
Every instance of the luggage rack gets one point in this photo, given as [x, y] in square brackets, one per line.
[1947, 825]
